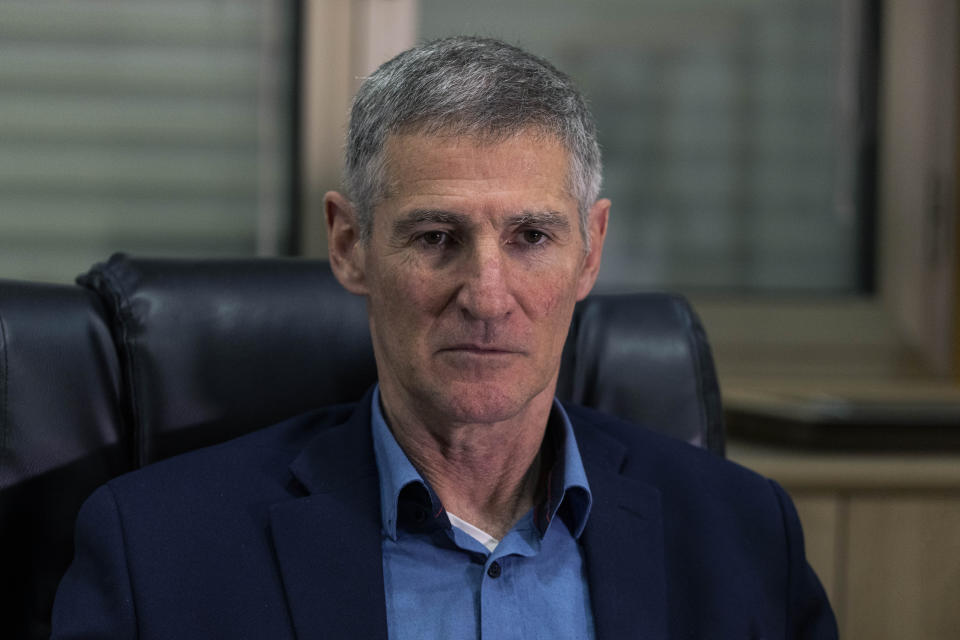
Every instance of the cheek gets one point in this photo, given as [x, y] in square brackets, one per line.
[416, 291]
[406, 297]
[555, 285]
[550, 302]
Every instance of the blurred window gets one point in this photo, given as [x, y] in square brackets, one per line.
[154, 127]
[737, 134]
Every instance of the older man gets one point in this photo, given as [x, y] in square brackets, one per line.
[459, 499]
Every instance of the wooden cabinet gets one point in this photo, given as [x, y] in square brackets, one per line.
[883, 533]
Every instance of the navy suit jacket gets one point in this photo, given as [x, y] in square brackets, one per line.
[277, 535]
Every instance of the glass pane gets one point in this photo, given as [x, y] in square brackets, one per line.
[140, 126]
[726, 130]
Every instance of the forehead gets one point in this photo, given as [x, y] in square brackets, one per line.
[525, 165]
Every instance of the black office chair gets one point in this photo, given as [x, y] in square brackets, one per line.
[61, 436]
[150, 358]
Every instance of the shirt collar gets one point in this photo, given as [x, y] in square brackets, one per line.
[406, 496]
[402, 488]
[568, 492]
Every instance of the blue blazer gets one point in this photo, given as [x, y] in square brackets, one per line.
[277, 535]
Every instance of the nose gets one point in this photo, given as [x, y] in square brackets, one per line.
[485, 293]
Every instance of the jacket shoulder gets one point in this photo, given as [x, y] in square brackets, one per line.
[263, 454]
[645, 451]
[695, 485]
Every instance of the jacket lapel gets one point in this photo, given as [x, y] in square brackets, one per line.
[328, 543]
[623, 544]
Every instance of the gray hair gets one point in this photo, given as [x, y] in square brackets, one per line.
[469, 86]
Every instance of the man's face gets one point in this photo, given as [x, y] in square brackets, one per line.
[472, 270]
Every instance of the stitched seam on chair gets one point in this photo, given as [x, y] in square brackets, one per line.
[4, 383]
[698, 369]
[122, 304]
[699, 335]
[125, 315]
[711, 403]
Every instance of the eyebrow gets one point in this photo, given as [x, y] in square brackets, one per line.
[551, 219]
[417, 217]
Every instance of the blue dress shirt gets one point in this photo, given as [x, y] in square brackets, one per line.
[440, 582]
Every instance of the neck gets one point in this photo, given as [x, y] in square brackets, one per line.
[489, 474]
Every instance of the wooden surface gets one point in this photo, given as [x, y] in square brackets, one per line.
[820, 516]
[903, 568]
[830, 471]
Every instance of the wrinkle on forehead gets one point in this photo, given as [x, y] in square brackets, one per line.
[399, 145]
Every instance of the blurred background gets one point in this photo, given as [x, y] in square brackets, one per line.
[790, 165]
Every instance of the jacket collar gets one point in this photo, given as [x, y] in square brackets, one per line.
[623, 542]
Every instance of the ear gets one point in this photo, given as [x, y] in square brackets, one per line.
[343, 243]
[597, 219]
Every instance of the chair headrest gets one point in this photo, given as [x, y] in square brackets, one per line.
[217, 348]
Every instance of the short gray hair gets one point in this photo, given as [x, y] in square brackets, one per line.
[469, 86]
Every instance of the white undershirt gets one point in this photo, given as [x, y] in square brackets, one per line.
[477, 534]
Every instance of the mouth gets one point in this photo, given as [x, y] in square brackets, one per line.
[480, 349]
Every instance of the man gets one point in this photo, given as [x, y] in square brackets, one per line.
[458, 499]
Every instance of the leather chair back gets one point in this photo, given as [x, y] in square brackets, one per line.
[212, 349]
[61, 436]
[645, 358]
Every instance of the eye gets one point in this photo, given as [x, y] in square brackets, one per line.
[435, 238]
[532, 236]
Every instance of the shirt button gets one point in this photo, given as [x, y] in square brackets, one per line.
[494, 570]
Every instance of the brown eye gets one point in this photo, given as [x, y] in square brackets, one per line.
[434, 237]
[532, 236]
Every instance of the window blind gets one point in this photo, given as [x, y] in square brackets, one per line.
[157, 128]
